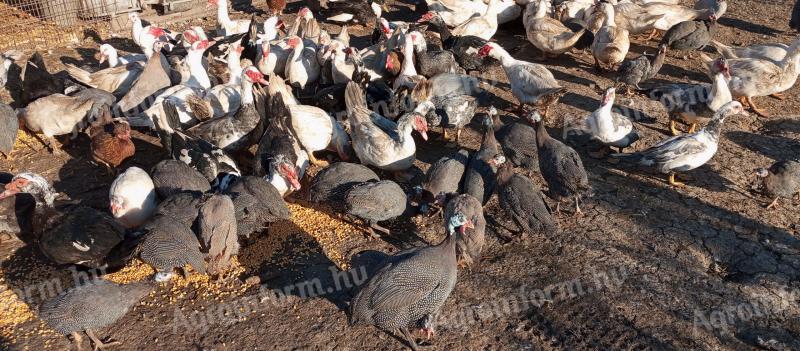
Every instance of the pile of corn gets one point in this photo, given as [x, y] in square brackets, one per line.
[314, 228]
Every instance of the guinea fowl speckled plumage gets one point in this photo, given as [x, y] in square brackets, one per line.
[523, 202]
[633, 72]
[518, 141]
[90, 306]
[376, 201]
[781, 180]
[182, 207]
[470, 243]
[560, 166]
[257, 203]
[172, 176]
[216, 229]
[445, 176]
[411, 286]
[9, 124]
[332, 183]
[690, 35]
[479, 177]
[170, 244]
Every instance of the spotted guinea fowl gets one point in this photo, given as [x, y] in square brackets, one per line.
[93, 305]
[412, 287]
[523, 202]
[257, 203]
[9, 124]
[611, 128]
[560, 166]
[518, 141]
[688, 151]
[374, 202]
[331, 184]
[182, 207]
[168, 244]
[636, 71]
[172, 176]
[479, 177]
[782, 179]
[690, 35]
[216, 229]
[470, 243]
[72, 235]
[445, 176]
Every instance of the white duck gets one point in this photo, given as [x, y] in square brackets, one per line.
[302, 68]
[772, 52]
[408, 76]
[132, 197]
[273, 57]
[145, 37]
[227, 25]
[116, 80]
[756, 77]
[531, 83]
[688, 151]
[316, 130]
[224, 99]
[380, 142]
[456, 12]
[483, 26]
[611, 128]
[110, 54]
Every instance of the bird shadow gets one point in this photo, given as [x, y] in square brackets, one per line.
[784, 125]
[682, 73]
[774, 147]
[748, 26]
[14, 85]
[86, 58]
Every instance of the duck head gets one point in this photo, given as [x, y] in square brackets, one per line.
[459, 221]
[30, 183]
[253, 75]
[281, 166]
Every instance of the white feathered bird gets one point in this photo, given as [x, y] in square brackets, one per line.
[132, 197]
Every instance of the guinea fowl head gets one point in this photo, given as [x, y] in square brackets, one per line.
[30, 183]
[459, 221]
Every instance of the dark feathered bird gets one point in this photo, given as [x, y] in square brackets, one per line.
[479, 177]
[454, 111]
[91, 306]
[182, 207]
[464, 48]
[257, 203]
[781, 180]
[690, 35]
[37, 81]
[332, 183]
[635, 71]
[173, 176]
[170, 244]
[444, 177]
[432, 62]
[794, 21]
[358, 11]
[9, 124]
[560, 166]
[376, 201]
[84, 236]
[216, 229]
[199, 154]
[518, 141]
[470, 243]
[411, 287]
[523, 202]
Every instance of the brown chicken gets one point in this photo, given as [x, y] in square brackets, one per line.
[111, 141]
[276, 6]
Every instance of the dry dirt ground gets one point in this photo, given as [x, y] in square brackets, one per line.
[648, 266]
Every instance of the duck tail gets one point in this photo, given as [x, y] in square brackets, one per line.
[354, 97]
[199, 107]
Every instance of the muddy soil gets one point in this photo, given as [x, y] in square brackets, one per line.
[648, 266]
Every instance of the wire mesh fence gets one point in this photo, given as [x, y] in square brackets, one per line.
[38, 24]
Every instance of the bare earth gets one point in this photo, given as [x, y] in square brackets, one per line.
[647, 267]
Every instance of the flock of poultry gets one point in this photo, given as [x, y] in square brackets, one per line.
[294, 95]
